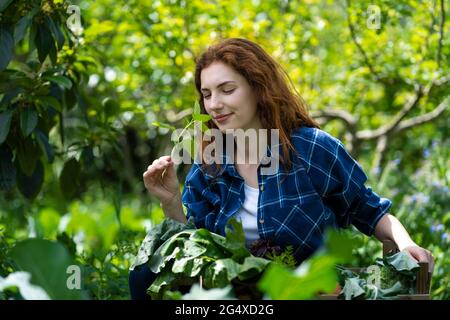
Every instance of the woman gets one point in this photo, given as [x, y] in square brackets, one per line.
[316, 185]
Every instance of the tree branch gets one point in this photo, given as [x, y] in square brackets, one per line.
[420, 92]
[331, 114]
[386, 129]
[379, 155]
[427, 117]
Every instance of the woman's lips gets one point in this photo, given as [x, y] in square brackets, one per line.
[223, 118]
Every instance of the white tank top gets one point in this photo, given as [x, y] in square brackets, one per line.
[247, 214]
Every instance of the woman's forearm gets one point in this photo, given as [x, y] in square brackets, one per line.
[390, 228]
[174, 210]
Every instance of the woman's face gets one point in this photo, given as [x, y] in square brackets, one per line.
[228, 98]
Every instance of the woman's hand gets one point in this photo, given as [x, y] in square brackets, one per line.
[421, 255]
[161, 180]
[390, 228]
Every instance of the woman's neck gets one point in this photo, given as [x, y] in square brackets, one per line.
[250, 148]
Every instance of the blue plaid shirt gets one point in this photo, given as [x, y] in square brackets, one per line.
[324, 188]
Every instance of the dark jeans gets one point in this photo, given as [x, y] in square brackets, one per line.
[139, 280]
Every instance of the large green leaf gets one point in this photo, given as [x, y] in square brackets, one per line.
[45, 146]
[210, 241]
[12, 83]
[160, 282]
[197, 109]
[165, 252]
[56, 31]
[28, 120]
[30, 186]
[252, 266]
[49, 101]
[402, 261]
[201, 117]
[163, 125]
[196, 266]
[53, 54]
[156, 237]
[70, 98]
[340, 245]
[189, 266]
[4, 4]
[48, 264]
[7, 168]
[6, 47]
[69, 179]
[390, 293]
[22, 26]
[27, 154]
[192, 249]
[43, 41]
[216, 275]
[234, 232]
[60, 80]
[5, 123]
[198, 252]
[313, 276]
[110, 107]
[353, 289]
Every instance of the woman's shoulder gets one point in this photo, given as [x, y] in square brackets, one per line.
[310, 141]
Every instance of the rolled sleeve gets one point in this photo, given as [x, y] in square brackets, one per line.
[199, 201]
[344, 192]
[367, 209]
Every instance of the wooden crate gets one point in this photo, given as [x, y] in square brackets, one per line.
[422, 282]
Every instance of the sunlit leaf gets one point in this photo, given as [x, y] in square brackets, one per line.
[28, 120]
[48, 263]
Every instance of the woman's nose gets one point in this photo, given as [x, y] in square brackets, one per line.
[215, 103]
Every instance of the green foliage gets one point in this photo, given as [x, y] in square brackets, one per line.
[397, 276]
[420, 202]
[47, 262]
[285, 258]
[83, 113]
[194, 254]
[315, 275]
[158, 235]
[21, 281]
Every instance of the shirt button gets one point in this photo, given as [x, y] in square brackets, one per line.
[261, 221]
[261, 187]
[265, 160]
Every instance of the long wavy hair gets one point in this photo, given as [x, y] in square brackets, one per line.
[279, 105]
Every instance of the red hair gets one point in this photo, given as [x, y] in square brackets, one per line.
[279, 105]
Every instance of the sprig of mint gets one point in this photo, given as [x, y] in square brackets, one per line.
[187, 143]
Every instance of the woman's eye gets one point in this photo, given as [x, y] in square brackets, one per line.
[224, 91]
